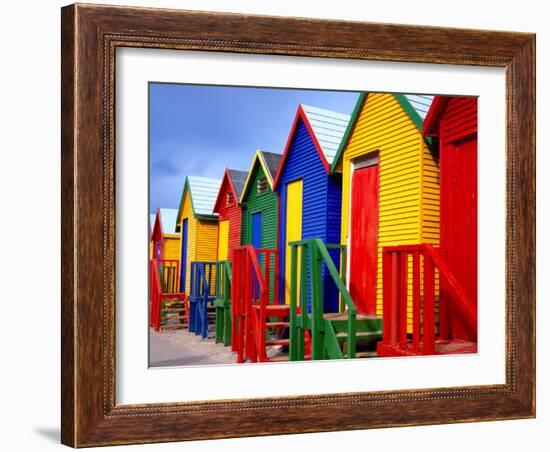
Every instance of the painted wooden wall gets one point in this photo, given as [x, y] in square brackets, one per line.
[267, 203]
[232, 213]
[187, 213]
[321, 206]
[457, 126]
[172, 247]
[409, 185]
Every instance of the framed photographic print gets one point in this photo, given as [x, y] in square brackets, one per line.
[279, 225]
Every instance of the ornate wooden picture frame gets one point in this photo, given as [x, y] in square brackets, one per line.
[90, 37]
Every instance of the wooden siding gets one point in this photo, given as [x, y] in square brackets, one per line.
[232, 213]
[207, 244]
[320, 190]
[260, 202]
[409, 181]
[172, 246]
[268, 204]
[187, 212]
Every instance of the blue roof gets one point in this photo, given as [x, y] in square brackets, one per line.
[204, 191]
[421, 103]
[329, 128]
[168, 220]
[152, 217]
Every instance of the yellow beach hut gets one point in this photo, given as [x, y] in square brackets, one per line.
[165, 241]
[390, 189]
[197, 225]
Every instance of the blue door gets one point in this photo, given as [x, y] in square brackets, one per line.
[257, 230]
[183, 255]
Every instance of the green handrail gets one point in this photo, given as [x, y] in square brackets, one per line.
[318, 253]
[223, 302]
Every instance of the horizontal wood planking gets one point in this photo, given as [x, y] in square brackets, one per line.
[321, 206]
[91, 33]
[408, 188]
[187, 213]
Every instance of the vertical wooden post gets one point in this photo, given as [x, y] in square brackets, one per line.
[293, 342]
[304, 249]
[387, 296]
[416, 299]
[394, 310]
[316, 301]
[429, 315]
[403, 298]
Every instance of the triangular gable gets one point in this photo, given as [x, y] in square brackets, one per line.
[416, 107]
[202, 192]
[326, 129]
[164, 222]
[431, 123]
[260, 160]
[234, 180]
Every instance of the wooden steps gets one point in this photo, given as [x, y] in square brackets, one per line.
[174, 314]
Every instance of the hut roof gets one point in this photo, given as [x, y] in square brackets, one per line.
[269, 162]
[203, 192]
[415, 105]
[327, 129]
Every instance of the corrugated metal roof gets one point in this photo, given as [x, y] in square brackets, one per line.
[272, 160]
[421, 103]
[239, 178]
[168, 217]
[204, 191]
[329, 128]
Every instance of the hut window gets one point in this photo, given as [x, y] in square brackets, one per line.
[262, 185]
[229, 199]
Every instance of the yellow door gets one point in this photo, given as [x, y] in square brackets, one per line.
[293, 229]
[223, 240]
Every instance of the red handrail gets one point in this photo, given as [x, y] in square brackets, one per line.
[156, 292]
[250, 289]
[395, 261]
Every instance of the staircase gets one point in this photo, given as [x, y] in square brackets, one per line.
[201, 298]
[169, 309]
[419, 263]
[258, 320]
[222, 302]
[345, 334]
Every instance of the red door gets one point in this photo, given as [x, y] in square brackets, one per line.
[364, 238]
[459, 223]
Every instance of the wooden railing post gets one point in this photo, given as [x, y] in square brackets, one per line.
[293, 334]
[429, 311]
[416, 299]
[304, 250]
[403, 298]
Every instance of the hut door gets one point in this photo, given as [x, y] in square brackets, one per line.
[183, 255]
[364, 237]
[458, 187]
[293, 230]
[223, 240]
[256, 230]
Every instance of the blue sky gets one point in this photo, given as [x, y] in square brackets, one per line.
[199, 130]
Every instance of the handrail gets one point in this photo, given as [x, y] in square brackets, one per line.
[155, 293]
[464, 303]
[318, 253]
[396, 274]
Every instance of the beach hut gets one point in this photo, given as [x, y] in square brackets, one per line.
[165, 241]
[152, 217]
[310, 196]
[390, 189]
[259, 204]
[453, 122]
[229, 211]
[197, 225]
